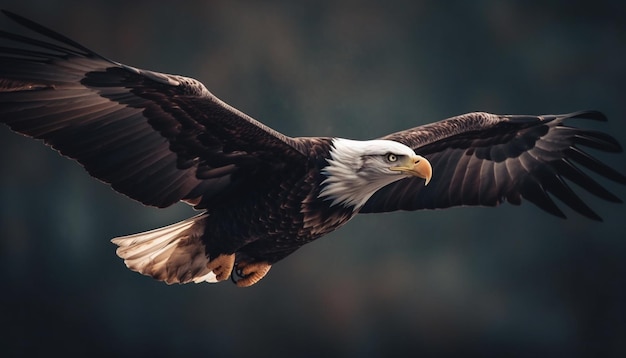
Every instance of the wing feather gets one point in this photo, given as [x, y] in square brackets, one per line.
[487, 194]
[485, 159]
[155, 137]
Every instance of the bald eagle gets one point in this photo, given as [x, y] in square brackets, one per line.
[161, 138]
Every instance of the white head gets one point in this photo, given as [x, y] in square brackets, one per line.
[357, 169]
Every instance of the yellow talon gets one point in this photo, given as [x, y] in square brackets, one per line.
[222, 266]
[251, 273]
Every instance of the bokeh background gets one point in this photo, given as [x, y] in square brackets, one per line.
[511, 281]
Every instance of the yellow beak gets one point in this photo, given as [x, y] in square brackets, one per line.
[416, 166]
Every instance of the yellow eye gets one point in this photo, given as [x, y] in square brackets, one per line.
[392, 157]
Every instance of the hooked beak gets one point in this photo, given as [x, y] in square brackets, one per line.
[416, 166]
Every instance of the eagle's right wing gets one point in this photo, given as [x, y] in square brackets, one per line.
[486, 159]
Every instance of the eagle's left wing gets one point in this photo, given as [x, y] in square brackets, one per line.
[154, 137]
[485, 159]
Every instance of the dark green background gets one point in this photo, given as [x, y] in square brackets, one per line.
[511, 281]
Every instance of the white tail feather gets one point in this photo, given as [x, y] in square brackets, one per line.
[174, 254]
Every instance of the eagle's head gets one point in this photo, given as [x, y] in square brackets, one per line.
[357, 169]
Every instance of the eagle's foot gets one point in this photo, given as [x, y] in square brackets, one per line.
[251, 273]
[222, 266]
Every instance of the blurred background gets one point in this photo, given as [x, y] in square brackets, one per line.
[511, 281]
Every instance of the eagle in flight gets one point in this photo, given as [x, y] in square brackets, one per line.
[161, 138]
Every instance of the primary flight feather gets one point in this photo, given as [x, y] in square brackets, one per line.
[161, 139]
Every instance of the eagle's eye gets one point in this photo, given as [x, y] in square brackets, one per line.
[392, 157]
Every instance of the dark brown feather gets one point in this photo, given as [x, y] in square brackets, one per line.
[161, 138]
[154, 137]
[485, 159]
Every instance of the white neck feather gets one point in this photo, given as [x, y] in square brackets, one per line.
[351, 177]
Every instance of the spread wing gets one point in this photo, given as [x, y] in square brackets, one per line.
[485, 159]
[157, 138]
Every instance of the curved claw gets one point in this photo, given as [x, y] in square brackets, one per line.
[250, 273]
[222, 266]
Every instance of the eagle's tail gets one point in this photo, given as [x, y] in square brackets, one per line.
[174, 254]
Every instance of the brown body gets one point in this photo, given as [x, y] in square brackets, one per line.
[161, 139]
